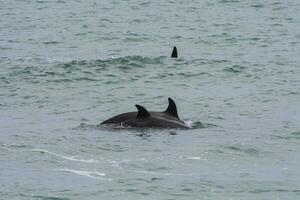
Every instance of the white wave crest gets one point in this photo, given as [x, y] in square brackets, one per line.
[191, 158]
[90, 174]
[164, 174]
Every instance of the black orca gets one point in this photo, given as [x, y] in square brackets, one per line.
[174, 53]
[144, 118]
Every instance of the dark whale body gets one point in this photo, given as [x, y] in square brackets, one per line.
[144, 118]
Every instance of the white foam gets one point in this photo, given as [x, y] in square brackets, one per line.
[5, 148]
[189, 123]
[66, 157]
[164, 174]
[193, 158]
[90, 174]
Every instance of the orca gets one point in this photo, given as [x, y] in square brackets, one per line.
[152, 119]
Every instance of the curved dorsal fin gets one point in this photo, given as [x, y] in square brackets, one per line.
[142, 112]
[171, 110]
[174, 53]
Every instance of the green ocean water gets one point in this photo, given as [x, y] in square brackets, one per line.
[66, 66]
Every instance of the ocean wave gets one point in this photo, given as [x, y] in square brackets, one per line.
[243, 149]
[28, 196]
[5, 148]
[162, 174]
[235, 69]
[90, 174]
[55, 70]
[126, 62]
[198, 124]
[71, 158]
[191, 158]
[295, 135]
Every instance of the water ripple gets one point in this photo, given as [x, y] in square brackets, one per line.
[71, 158]
[89, 174]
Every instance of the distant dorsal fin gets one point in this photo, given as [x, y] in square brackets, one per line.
[142, 112]
[171, 110]
[174, 53]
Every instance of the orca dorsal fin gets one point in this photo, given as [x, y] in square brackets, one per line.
[174, 53]
[142, 112]
[172, 109]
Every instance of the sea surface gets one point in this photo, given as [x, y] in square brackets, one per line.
[67, 65]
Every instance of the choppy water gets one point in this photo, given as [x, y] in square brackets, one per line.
[65, 66]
